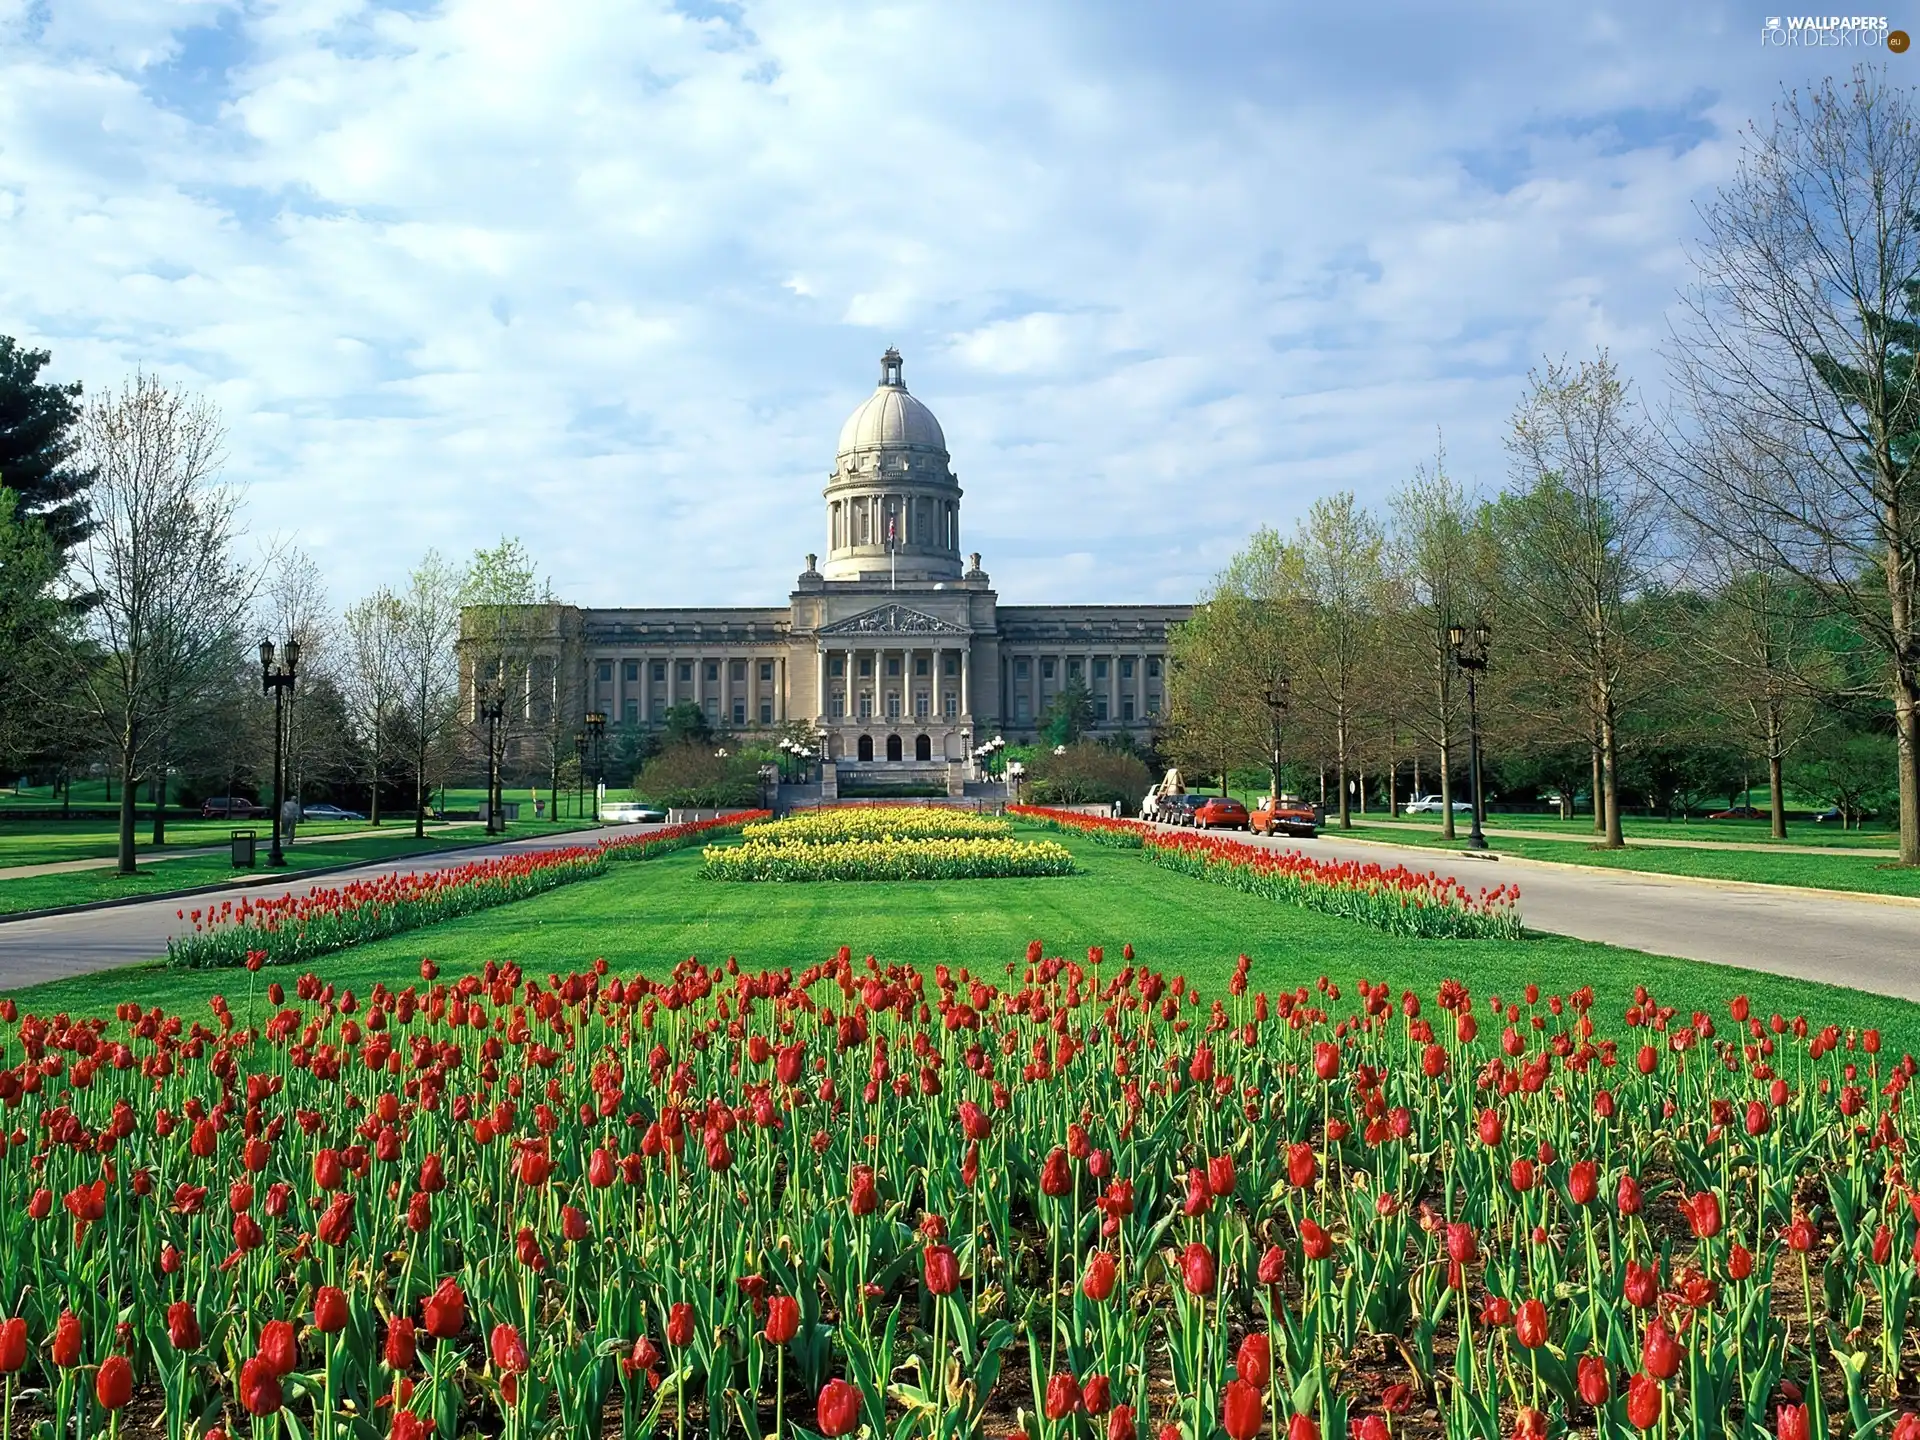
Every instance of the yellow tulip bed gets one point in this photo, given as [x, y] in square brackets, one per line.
[887, 859]
[878, 822]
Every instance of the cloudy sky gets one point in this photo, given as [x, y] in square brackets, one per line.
[608, 274]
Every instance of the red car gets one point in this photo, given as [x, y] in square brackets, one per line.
[1285, 817]
[1220, 812]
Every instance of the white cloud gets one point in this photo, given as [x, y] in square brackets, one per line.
[609, 276]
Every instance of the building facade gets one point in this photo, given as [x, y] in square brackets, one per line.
[896, 650]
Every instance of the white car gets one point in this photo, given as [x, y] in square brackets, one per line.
[1430, 805]
[624, 813]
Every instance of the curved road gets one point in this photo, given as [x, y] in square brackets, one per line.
[1862, 944]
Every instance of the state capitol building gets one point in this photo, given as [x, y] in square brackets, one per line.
[896, 649]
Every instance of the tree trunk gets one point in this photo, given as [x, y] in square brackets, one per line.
[1340, 765]
[1599, 795]
[1610, 777]
[125, 857]
[1446, 791]
[1363, 789]
[373, 797]
[420, 793]
[1776, 783]
[159, 791]
[1906, 728]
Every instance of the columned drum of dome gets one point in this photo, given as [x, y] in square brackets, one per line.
[893, 502]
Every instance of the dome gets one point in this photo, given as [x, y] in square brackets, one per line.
[890, 418]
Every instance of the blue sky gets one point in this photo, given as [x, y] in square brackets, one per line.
[608, 274]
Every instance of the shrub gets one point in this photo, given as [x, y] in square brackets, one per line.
[692, 775]
[1088, 774]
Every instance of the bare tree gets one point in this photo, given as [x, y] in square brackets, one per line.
[1798, 347]
[372, 682]
[1341, 557]
[1433, 563]
[1578, 542]
[169, 598]
[294, 607]
[427, 666]
[507, 629]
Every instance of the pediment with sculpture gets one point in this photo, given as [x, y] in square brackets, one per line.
[891, 620]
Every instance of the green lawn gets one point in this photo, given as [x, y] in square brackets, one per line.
[1865, 873]
[1741, 832]
[159, 875]
[48, 842]
[645, 917]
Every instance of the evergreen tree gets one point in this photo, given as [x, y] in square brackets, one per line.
[39, 445]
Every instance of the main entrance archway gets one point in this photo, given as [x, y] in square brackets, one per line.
[866, 747]
[893, 747]
[922, 747]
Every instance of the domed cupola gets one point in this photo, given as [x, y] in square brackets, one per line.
[893, 503]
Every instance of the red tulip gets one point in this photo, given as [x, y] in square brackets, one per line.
[1096, 1395]
[1583, 1182]
[1490, 1127]
[1302, 1165]
[444, 1313]
[1703, 1213]
[66, 1340]
[1220, 1175]
[1254, 1360]
[1530, 1324]
[1739, 1261]
[401, 1349]
[1121, 1424]
[1791, 1423]
[1056, 1177]
[941, 1268]
[13, 1346]
[1243, 1411]
[783, 1319]
[1658, 1352]
[1273, 1265]
[279, 1347]
[113, 1385]
[509, 1352]
[329, 1310]
[260, 1393]
[1098, 1280]
[183, 1326]
[680, 1325]
[1196, 1269]
[336, 1224]
[1301, 1427]
[838, 1409]
[1314, 1241]
[862, 1197]
[1628, 1198]
[1591, 1375]
[1062, 1396]
[1643, 1401]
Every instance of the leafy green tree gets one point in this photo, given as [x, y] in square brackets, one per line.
[40, 457]
[1849, 769]
[685, 723]
[1088, 773]
[1070, 715]
[33, 627]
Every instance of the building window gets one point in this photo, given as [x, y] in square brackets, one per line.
[953, 665]
[893, 704]
[1153, 668]
[659, 711]
[921, 665]
[1021, 709]
[866, 704]
[1126, 709]
[766, 712]
[866, 666]
[952, 703]
[738, 671]
[766, 670]
[1046, 669]
[1020, 669]
[922, 705]
[1153, 704]
[837, 666]
[659, 670]
[630, 712]
[1100, 710]
[1073, 669]
[713, 707]
[686, 670]
[739, 712]
[603, 672]
[630, 671]
[893, 665]
[1099, 669]
[713, 670]
[839, 708]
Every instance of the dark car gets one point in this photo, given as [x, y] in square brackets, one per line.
[230, 807]
[329, 812]
[1178, 809]
[1220, 812]
[1738, 812]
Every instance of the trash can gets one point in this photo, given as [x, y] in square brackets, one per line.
[510, 810]
[243, 849]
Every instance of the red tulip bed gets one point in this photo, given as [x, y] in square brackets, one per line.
[1423, 904]
[292, 929]
[1084, 1202]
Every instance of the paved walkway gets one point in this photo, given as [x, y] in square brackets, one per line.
[146, 856]
[57, 947]
[1637, 837]
[1862, 944]
[1856, 943]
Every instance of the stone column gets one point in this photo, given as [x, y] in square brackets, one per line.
[966, 664]
[939, 663]
[1113, 688]
[820, 695]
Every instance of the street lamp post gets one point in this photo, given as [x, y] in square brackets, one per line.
[596, 735]
[493, 706]
[278, 682]
[1279, 697]
[580, 773]
[1470, 654]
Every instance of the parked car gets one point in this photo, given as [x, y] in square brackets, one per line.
[1177, 809]
[622, 812]
[1220, 812]
[1430, 805]
[1738, 812]
[230, 807]
[328, 812]
[1287, 815]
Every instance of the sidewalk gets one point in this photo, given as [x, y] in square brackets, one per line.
[147, 857]
[1633, 838]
